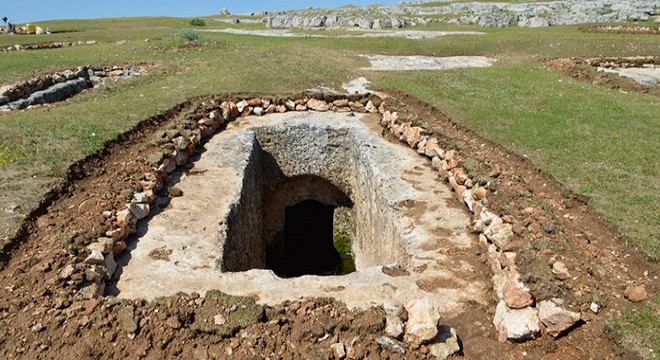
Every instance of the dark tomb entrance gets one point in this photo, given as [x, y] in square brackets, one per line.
[308, 240]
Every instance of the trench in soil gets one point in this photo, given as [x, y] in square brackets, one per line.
[258, 208]
[32, 272]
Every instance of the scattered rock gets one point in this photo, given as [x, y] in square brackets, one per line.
[338, 350]
[499, 233]
[390, 344]
[95, 258]
[394, 326]
[219, 320]
[139, 210]
[110, 264]
[516, 324]
[560, 270]
[39, 327]
[556, 319]
[67, 272]
[127, 322]
[515, 294]
[92, 291]
[103, 245]
[422, 325]
[318, 105]
[446, 343]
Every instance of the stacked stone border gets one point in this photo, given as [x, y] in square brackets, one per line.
[622, 29]
[63, 84]
[49, 45]
[517, 317]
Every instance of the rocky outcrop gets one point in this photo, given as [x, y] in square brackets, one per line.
[499, 14]
[547, 14]
[332, 21]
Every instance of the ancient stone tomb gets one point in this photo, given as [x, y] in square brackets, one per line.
[258, 207]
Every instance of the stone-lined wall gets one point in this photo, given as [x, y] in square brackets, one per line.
[62, 85]
[50, 45]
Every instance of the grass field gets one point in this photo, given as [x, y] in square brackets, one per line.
[598, 142]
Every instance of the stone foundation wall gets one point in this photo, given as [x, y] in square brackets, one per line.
[62, 85]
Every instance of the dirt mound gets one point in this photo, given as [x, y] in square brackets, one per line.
[586, 70]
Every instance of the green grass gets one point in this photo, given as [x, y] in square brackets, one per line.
[640, 329]
[587, 136]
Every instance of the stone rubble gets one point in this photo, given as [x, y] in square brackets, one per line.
[560, 271]
[62, 85]
[516, 324]
[422, 326]
[446, 343]
[50, 45]
[556, 319]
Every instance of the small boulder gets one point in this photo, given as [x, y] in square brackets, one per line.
[499, 233]
[561, 271]
[95, 258]
[413, 135]
[432, 149]
[103, 245]
[394, 326]
[516, 324]
[515, 293]
[636, 293]
[338, 350]
[318, 105]
[110, 264]
[67, 272]
[446, 343]
[422, 326]
[139, 210]
[556, 319]
[241, 105]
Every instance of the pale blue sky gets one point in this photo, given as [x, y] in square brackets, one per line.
[21, 11]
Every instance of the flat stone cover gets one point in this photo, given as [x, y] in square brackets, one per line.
[186, 239]
[413, 63]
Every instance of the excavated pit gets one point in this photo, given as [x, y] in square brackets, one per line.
[258, 209]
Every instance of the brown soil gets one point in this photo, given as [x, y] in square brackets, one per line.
[43, 317]
[585, 70]
[628, 30]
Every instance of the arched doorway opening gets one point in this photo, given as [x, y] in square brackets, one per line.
[300, 236]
